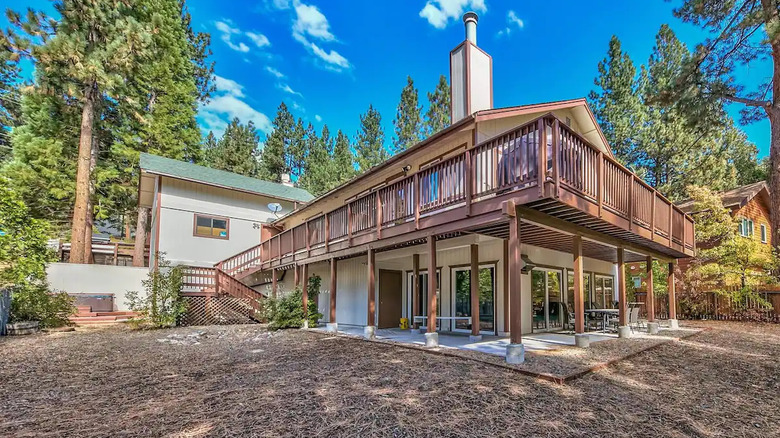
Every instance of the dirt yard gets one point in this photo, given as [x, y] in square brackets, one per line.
[241, 381]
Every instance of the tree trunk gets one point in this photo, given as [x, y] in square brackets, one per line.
[139, 250]
[88, 258]
[774, 174]
[83, 176]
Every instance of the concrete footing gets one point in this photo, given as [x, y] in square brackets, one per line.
[477, 338]
[432, 339]
[624, 331]
[515, 353]
[369, 331]
[415, 330]
[582, 340]
[305, 324]
[674, 324]
[652, 328]
[332, 327]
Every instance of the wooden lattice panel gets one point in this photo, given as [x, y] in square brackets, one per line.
[217, 311]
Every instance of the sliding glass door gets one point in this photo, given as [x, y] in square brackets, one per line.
[461, 281]
[422, 298]
[547, 299]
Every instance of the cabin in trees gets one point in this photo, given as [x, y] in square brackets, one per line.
[528, 199]
[202, 215]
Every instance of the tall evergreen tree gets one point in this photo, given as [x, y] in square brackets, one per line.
[89, 52]
[273, 162]
[318, 175]
[237, 150]
[370, 140]
[616, 103]
[343, 161]
[10, 97]
[438, 115]
[408, 119]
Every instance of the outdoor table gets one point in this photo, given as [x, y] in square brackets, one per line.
[448, 318]
[606, 313]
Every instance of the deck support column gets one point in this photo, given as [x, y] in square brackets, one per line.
[274, 284]
[431, 337]
[332, 324]
[370, 330]
[673, 323]
[415, 290]
[581, 338]
[305, 295]
[474, 283]
[652, 326]
[297, 277]
[624, 331]
[515, 351]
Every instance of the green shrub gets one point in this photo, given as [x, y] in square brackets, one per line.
[33, 302]
[287, 311]
[162, 304]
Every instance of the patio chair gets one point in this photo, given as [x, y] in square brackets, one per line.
[568, 317]
[633, 317]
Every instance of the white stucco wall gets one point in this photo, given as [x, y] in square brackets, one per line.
[181, 200]
[97, 279]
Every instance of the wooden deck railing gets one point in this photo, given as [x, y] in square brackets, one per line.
[502, 164]
[200, 280]
[242, 262]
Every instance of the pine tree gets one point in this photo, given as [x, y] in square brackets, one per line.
[273, 162]
[317, 177]
[408, 119]
[343, 161]
[10, 97]
[616, 104]
[370, 140]
[438, 115]
[108, 38]
[237, 150]
[297, 149]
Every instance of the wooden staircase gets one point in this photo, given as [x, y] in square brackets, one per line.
[216, 297]
[84, 316]
[242, 264]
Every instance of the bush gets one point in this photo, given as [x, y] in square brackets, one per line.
[33, 302]
[163, 304]
[287, 311]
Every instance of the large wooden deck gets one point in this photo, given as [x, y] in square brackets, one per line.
[565, 185]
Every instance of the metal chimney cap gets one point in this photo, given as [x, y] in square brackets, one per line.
[470, 16]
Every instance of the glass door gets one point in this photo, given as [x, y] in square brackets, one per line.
[546, 296]
[462, 298]
[604, 294]
[422, 281]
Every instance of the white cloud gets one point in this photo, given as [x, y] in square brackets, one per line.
[440, 12]
[274, 72]
[227, 105]
[513, 21]
[317, 117]
[279, 4]
[312, 24]
[228, 31]
[229, 86]
[259, 39]
[286, 88]
[296, 106]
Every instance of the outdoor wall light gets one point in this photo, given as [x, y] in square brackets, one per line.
[528, 265]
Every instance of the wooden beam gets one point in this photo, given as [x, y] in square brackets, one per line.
[474, 280]
[672, 292]
[515, 281]
[305, 291]
[297, 277]
[432, 286]
[274, 284]
[650, 300]
[621, 270]
[415, 289]
[371, 288]
[506, 285]
[333, 283]
[579, 297]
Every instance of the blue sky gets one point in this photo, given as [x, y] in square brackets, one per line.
[328, 60]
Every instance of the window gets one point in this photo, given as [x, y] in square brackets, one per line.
[763, 233]
[746, 228]
[637, 281]
[211, 226]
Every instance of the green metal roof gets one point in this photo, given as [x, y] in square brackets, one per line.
[192, 172]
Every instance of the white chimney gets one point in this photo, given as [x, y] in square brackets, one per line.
[471, 74]
[286, 180]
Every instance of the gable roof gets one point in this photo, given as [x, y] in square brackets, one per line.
[734, 198]
[157, 165]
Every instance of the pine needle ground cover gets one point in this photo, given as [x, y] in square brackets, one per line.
[244, 381]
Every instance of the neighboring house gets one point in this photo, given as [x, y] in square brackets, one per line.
[528, 198]
[201, 216]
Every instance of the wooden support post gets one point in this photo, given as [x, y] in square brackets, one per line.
[650, 300]
[305, 291]
[327, 231]
[506, 286]
[671, 211]
[541, 145]
[469, 179]
[631, 203]
[378, 216]
[474, 280]
[417, 200]
[515, 281]
[274, 284]
[579, 296]
[622, 305]
[415, 289]
[672, 292]
[371, 289]
[333, 267]
[116, 254]
[600, 182]
[432, 286]
[297, 277]
[308, 240]
[556, 157]
[349, 223]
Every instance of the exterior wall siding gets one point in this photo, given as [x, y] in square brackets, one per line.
[757, 211]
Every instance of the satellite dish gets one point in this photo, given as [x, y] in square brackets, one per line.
[275, 208]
